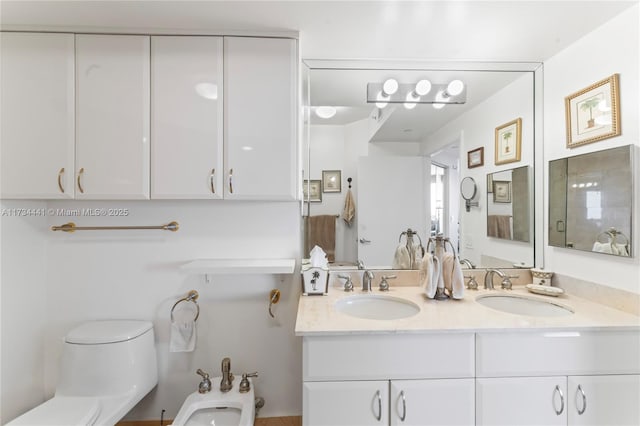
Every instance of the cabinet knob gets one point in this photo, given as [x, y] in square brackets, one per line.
[80, 173]
[60, 174]
[211, 180]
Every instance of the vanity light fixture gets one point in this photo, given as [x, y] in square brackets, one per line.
[420, 92]
[325, 111]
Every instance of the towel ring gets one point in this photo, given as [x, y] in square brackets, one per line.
[191, 297]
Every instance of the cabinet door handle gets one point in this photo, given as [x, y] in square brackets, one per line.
[584, 401]
[379, 397]
[211, 179]
[79, 180]
[553, 400]
[404, 407]
[364, 241]
[60, 173]
[230, 181]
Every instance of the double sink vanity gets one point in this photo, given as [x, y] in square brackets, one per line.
[496, 357]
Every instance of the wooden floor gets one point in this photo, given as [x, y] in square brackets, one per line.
[261, 421]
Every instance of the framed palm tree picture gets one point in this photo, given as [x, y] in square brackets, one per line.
[593, 113]
[509, 142]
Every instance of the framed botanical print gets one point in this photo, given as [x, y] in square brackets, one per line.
[509, 142]
[475, 158]
[311, 190]
[593, 113]
[331, 181]
[501, 191]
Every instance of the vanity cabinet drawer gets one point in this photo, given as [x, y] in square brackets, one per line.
[557, 353]
[383, 357]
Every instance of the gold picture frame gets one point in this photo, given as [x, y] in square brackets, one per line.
[509, 142]
[311, 190]
[593, 113]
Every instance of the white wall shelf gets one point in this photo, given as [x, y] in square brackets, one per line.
[240, 266]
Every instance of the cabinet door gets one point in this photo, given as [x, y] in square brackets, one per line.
[604, 400]
[345, 403]
[112, 117]
[521, 401]
[37, 107]
[260, 118]
[432, 402]
[186, 120]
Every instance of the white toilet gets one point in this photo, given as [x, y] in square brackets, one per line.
[217, 408]
[107, 368]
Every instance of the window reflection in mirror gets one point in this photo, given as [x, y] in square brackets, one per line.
[590, 202]
[508, 205]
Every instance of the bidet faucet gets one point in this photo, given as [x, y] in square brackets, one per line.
[366, 280]
[488, 278]
[227, 377]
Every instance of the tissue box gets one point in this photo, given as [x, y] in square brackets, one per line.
[315, 281]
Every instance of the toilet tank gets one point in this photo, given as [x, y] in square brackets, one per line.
[108, 358]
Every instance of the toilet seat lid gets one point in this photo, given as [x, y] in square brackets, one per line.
[62, 411]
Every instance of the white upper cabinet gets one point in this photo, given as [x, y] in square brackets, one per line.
[37, 132]
[112, 117]
[186, 120]
[260, 118]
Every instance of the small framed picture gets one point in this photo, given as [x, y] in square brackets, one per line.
[508, 142]
[331, 181]
[475, 158]
[501, 191]
[311, 190]
[593, 113]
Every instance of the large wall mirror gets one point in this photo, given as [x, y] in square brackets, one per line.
[508, 205]
[591, 203]
[405, 162]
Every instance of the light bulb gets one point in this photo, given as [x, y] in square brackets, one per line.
[411, 101]
[438, 106]
[325, 111]
[455, 88]
[382, 100]
[390, 86]
[423, 87]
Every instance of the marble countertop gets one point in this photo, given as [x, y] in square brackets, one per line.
[318, 316]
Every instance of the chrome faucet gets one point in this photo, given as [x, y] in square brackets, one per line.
[227, 377]
[488, 278]
[366, 280]
[469, 264]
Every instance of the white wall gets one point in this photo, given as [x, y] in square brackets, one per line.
[136, 274]
[477, 128]
[23, 306]
[611, 48]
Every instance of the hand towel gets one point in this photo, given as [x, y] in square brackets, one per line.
[349, 211]
[499, 226]
[447, 271]
[183, 329]
[457, 281]
[611, 248]
[429, 274]
[401, 258]
[417, 253]
[321, 231]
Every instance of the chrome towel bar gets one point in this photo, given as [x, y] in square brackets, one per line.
[71, 227]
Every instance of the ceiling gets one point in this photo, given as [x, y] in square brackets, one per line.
[511, 31]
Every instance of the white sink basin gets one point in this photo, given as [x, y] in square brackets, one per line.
[378, 307]
[522, 305]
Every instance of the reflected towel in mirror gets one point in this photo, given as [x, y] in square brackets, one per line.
[499, 226]
[349, 210]
[401, 258]
[321, 231]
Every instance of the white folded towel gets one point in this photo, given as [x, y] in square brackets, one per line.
[429, 274]
[417, 253]
[183, 329]
[452, 276]
[610, 248]
[401, 258]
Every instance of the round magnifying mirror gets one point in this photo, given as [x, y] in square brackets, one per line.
[468, 188]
